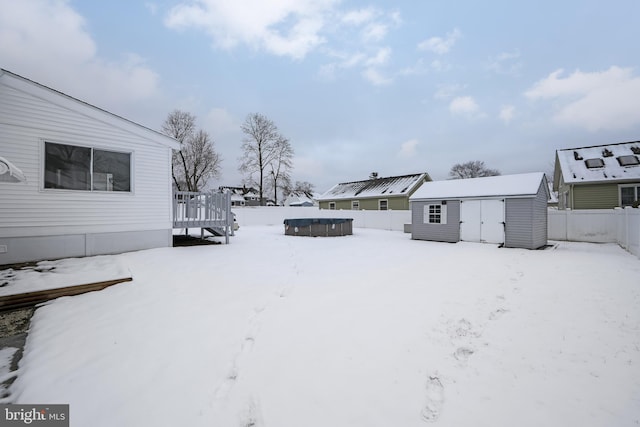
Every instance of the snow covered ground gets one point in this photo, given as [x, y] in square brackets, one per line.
[367, 330]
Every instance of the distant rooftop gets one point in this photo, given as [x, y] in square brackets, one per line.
[391, 186]
[610, 162]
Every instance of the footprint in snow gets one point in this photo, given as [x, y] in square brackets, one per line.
[462, 354]
[251, 416]
[497, 313]
[435, 399]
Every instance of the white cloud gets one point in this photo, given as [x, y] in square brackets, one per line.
[607, 100]
[448, 91]
[440, 66]
[47, 41]
[416, 69]
[375, 32]
[505, 63]
[360, 16]
[294, 28]
[441, 45]
[396, 17]
[375, 77]
[151, 7]
[464, 105]
[507, 112]
[282, 27]
[380, 58]
[408, 148]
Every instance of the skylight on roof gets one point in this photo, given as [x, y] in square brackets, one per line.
[594, 163]
[628, 161]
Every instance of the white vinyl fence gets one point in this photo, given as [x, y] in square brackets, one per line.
[621, 226]
[275, 215]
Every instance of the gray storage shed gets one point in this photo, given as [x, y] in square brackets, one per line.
[509, 210]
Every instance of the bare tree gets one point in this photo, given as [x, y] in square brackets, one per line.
[196, 161]
[300, 187]
[261, 147]
[472, 169]
[281, 166]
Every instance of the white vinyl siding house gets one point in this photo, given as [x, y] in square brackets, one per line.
[118, 197]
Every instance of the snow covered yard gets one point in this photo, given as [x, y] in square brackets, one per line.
[367, 330]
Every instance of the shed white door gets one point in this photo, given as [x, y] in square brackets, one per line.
[482, 221]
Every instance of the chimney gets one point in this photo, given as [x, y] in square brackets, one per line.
[373, 175]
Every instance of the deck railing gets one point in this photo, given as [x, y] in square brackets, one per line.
[203, 210]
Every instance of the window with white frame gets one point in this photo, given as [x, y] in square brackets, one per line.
[435, 214]
[629, 194]
[72, 167]
[332, 206]
[355, 205]
[383, 205]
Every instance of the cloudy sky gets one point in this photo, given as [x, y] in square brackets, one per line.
[358, 86]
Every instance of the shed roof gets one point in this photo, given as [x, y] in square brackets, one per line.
[526, 184]
[600, 163]
[391, 186]
[56, 97]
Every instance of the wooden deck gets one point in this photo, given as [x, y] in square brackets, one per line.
[203, 210]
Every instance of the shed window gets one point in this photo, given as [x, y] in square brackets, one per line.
[594, 163]
[383, 205]
[628, 160]
[71, 167]
[355, 205]
[435, 214]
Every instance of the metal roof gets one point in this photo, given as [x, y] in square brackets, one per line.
[392, 186]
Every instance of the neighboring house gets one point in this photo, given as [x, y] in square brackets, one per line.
[299, 199]
[252, 197]
[237, 200]
[373, 194]
[92, 182]
[510, 210]
[242, 196]
[598, 177]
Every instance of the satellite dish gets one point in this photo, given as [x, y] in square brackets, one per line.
[9, 172]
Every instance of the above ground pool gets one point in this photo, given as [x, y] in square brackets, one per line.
[318, 227]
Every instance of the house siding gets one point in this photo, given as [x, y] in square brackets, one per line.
[540, 219]
[526, 221]
[27, 210]
[394, 203]
[595, 196]
[449, 232]
[519, 223]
